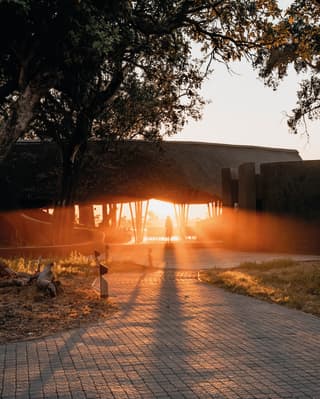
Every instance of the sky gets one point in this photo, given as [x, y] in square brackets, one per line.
[242, 110]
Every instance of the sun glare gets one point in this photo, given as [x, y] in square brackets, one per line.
[161, 208]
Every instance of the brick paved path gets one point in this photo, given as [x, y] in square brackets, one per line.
[195, 256]
[174, 337]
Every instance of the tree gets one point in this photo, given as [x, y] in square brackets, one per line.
[28, 47]
[115, 69]
[297, 43]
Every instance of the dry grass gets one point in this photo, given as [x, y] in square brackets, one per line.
[286, 282]
[73, 264]
[26, 312]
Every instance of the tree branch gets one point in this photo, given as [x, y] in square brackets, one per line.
[7, 89]
[149, 27]
[104, 97]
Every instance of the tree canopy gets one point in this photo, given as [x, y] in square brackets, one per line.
[71, 70]
[296, 42]
[124, 66]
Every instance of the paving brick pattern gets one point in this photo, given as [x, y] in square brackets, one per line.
[174, 337]
[193, 255]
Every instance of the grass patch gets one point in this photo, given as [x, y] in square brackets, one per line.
[74, 264]
[284, 281]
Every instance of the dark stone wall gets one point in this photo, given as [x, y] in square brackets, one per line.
[226, 182]
[247, 186]
[292, 189]
[286, 213]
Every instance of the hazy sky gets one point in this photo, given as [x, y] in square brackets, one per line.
[244, 111]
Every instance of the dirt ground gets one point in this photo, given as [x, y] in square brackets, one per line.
[26, 312]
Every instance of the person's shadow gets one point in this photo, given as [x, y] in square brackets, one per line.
[171, 343]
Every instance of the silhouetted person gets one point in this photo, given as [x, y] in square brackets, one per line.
[168, 227]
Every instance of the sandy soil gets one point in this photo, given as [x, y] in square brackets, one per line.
[27, 313]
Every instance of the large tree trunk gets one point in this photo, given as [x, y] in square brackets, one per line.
[20, 117]
[44, 280]
[72, 156]
[6, 272]
[9, 278]
[64, 210]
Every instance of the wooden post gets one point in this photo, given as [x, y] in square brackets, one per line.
[102, 286]
[104, 289]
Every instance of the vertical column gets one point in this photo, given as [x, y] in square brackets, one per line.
[138, 215]
[247, 186]
[138, 211]
[210, 208]
[112, 215]
[247, 226]
[86, 216]
[218, 208]
[214, 208]
[105, 215]
[120, 215]
[226, 182]
[182, 217]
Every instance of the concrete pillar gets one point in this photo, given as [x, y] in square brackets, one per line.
[182, 218]
[226, 181]
[86, 216]
[247, 186]
[247, 220]
[139, 212]
[211, 209]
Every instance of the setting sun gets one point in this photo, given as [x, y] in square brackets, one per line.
[161, 208]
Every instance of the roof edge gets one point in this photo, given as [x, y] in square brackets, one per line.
[184, 142]
[232, 145]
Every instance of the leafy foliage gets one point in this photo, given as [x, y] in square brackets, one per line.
[76, 70]
[297, 43]
[107, 56]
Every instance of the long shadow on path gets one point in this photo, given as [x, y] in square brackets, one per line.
[172, 368]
